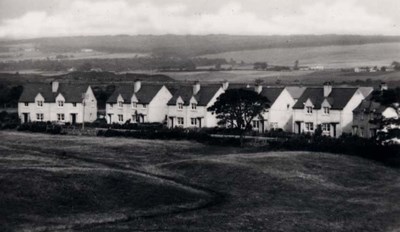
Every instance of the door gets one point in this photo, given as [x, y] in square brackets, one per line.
[25, 117]
[73, 119]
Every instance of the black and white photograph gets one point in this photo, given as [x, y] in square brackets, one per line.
[182, 115]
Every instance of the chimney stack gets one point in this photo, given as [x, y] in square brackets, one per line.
[196, 88]
[258, 88]
[225, 85]
[327, 89]
[54, 86]
[137, 86]
[383, 86]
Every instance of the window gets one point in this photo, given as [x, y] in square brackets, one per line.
[194, 106]
[134, 118]
[309, 126]
[144, 106]
[256, 124]
[26, 104]
[74, 104]
[120, 104]
[134, 104]
[120, 117]
[39, 117]
[309, 109]
[180, 121]
[326, 127]
[180, 106]
[111, 105]
[326, 110]
[60, 103]
[193, 121]
[40, 103]
[60, 117]
[288, 106]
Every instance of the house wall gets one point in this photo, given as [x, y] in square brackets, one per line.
[211, 119]
[158, 108]
[347, 113]
[126, 110]
[280, 114]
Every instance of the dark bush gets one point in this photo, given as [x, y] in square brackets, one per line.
[40, 127]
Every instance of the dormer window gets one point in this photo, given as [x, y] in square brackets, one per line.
[309, 109]
[26, 104]
[194, 106]
[120, 104]
[326, 110]
[180, 106]
[144, 106]
[60, 103]
[39, 103]
[74, 104]
[134, 104]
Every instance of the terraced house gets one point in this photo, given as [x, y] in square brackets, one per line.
[329, 107]
[138, 103]
[188, 106]
[280, 113]
[57, 102]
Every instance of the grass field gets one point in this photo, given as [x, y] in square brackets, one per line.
[66, 183]
[348, 56]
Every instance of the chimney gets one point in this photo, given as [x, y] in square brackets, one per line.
[54, 86]
[137, 85]
[327, 89]
[383, 86]
[225, 85]
[196, 88]
[258, 88]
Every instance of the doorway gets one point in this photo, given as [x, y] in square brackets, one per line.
[73, 119]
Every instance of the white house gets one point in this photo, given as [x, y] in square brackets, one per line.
[138, 103]
[188, 106]
[280, 113]
[57, 102]
[328, 107]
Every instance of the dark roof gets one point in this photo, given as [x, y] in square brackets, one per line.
[271, 93]
[203, 97]
[338, 98]
[145, 94]
[368, 106]
[71, 92]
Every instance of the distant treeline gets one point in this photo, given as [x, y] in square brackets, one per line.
[193, 45]
[112, 64]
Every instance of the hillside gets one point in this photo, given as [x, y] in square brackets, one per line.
[187, 45]
[70, 183]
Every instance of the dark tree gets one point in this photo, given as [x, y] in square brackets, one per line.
[238, 107]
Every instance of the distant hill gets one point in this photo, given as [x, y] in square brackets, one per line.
[191, 45]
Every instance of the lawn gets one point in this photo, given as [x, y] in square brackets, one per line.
[113, 184]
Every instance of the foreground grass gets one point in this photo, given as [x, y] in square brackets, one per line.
[67, 178]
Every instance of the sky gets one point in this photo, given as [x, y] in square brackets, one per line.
[49, 18]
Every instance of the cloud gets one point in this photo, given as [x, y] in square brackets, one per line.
[83, 17]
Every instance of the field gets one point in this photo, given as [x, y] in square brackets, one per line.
[289, 78]
[348, 56]
[66, 183]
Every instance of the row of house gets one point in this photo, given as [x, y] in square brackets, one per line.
[294, 109]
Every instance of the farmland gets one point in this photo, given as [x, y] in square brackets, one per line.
[331, 57]
[113, 184]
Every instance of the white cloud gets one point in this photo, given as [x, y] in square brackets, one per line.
[120, 17]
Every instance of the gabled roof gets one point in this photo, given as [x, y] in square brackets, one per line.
[203, 97]
[71, 92]
[145, 94]
[368, 106]
[296, 91]
[338, 98]
[271, 93]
